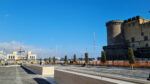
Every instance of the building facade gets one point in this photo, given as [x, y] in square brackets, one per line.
[134, 33]
[31, 56]
[12, 56]
[16, 56]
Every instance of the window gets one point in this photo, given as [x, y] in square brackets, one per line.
[145, 38]
[146, 45]
[132, 39]
[133, 45]
[142, 33]
[133, 24]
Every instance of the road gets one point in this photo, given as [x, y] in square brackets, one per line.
[19, 75]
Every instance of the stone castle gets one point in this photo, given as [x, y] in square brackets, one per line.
[134, 32]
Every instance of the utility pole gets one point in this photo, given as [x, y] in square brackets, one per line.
[86, 49]
[56, 51]
[94, 46]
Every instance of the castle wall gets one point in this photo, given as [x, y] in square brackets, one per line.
[114, 35]
[115, 41]
[135, 32]
[132, 31]
[116, 52]
[146, 33]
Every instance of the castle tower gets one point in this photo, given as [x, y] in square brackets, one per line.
[114, 36]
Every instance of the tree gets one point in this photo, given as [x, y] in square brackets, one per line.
[86, 58]
[49, 60]
[45, 60]
[66, 60]
[103, 57]
[131, 57]
[54, 59]
[74, 58]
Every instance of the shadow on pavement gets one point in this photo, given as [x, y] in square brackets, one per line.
[41, 81]
[26, 70]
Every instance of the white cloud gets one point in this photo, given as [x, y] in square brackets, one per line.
[8, 47]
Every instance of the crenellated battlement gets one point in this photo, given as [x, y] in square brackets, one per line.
[146, 24]
[114, 22]
[133, 19]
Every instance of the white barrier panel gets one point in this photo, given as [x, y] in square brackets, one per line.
[42, 70]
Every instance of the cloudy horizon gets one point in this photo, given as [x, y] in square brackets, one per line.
[9, 47]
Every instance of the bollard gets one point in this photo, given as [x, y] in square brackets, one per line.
[148, 77]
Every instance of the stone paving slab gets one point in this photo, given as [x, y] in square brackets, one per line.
[19, 75]
[138, 73]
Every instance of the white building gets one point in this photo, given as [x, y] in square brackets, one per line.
[31, 56]
[12, 56]
[16, 56]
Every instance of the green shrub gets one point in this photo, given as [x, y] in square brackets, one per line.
[74, 58]
[86, 58]
[131, 57]
[103, 57]
[66, 60]
[54, 60]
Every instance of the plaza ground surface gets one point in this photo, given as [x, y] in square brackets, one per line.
[138, 73]
[19, 75]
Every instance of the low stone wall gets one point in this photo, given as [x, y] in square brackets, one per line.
[42, 70]
[67, 77]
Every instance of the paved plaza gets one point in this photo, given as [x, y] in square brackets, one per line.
[138, 73]
[19, 75]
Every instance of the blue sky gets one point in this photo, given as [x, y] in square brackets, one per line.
[64, 25]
